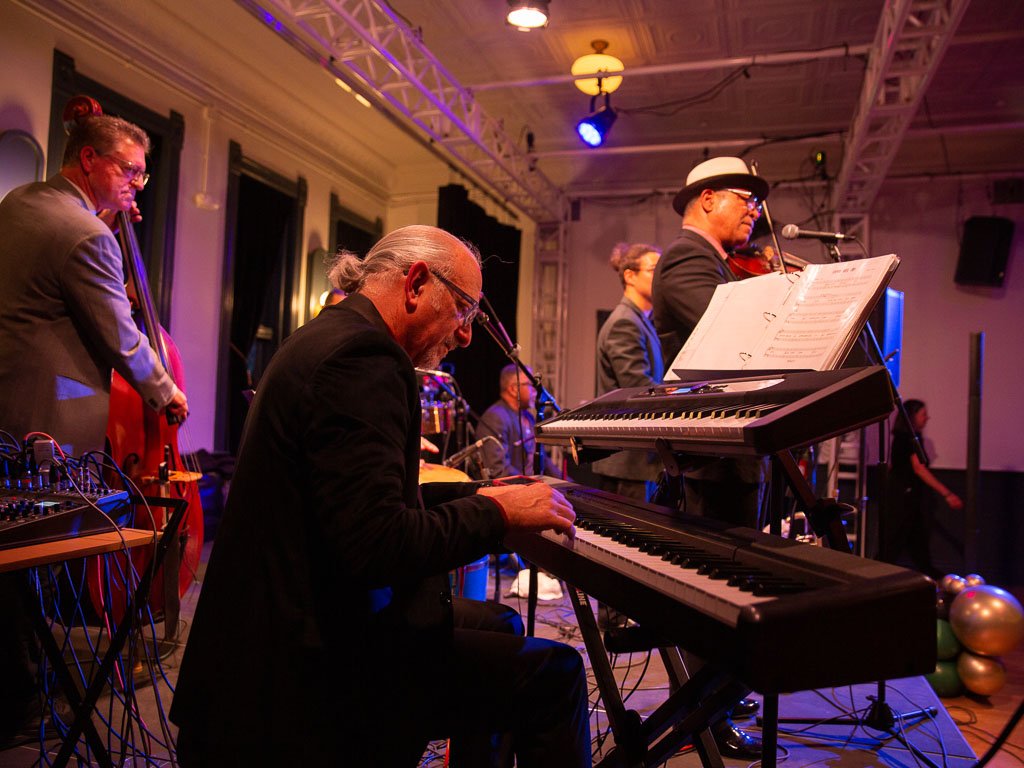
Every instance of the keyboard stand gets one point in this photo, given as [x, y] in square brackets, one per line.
[824, 515]
[684, 717]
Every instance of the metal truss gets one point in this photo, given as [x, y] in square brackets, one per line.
[550, 303]
[374, 51]
[911, 39]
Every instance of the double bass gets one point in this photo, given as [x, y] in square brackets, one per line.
[145, 444]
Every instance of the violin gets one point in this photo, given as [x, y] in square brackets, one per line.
[752, 261]
[143, 443]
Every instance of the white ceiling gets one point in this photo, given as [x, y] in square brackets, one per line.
[971, 119]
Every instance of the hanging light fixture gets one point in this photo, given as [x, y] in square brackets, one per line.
[594, 127]
[525, 15]
[597, 63]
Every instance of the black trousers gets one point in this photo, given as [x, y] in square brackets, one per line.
[491, 680]
[907, 529]
[532, 691]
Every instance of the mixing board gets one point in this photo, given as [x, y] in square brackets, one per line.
[33, 512]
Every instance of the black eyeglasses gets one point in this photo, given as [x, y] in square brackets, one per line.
[747, 197]
[133, 173]
[467, 314]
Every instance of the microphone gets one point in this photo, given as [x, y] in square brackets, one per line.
[792, 232]
[458, 456]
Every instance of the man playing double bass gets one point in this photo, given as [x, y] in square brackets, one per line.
[65, 324]
[65, 318]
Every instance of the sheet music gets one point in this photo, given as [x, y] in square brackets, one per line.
[802, 320]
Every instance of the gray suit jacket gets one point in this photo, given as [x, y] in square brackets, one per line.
[628, 355]
[65, 320]
[628, 350]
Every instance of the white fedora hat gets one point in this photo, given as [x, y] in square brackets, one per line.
[719, 173]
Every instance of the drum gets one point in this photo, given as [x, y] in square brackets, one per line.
[436, 417]
[469, 580]
[435, 473]
[438, 398]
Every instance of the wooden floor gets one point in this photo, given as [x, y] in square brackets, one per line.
[962, 728]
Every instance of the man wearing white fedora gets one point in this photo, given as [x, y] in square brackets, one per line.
[720, 204]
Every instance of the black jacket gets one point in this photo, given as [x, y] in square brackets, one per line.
[327, 568]
[684, 282]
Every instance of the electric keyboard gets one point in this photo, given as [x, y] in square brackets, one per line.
[747, 415]
[779, 615]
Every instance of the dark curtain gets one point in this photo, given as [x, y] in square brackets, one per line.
[262, 239]
[477, 367]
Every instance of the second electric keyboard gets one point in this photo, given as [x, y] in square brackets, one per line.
[780, 615]
[757, 414]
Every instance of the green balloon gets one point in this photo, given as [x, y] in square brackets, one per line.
[947, 646]
[945, 680]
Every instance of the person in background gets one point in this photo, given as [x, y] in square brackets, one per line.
[325, 631]
[511, 421]
[629, 355]
[907, 525]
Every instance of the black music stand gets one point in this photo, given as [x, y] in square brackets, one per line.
[824, 516]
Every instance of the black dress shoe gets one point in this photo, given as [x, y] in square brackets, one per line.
[744, 708]
[734, 743]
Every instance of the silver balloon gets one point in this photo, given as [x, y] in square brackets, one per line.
[987, 620]
[974, 580]
[953, 584]
[983, 675]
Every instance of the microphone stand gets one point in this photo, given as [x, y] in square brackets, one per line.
[496, 330]
[874, 352]
[775, 242]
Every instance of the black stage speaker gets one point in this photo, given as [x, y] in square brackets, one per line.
[984, 250]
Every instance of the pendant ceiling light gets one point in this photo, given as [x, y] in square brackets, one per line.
[525, 15]
[597, 63]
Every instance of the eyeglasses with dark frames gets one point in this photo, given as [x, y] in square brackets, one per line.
[133, 173]
[467, 314]
[748, 197]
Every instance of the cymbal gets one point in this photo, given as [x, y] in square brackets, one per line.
[436, 473]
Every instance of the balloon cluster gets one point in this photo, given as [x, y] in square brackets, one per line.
[976, 624]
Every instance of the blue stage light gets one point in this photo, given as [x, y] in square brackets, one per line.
[593, 128]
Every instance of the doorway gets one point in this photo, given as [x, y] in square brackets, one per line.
[261, 261]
